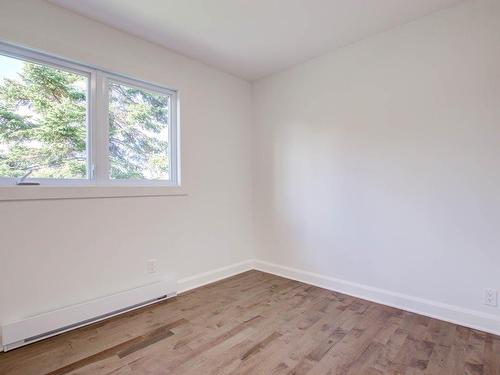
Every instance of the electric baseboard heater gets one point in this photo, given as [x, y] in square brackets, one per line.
[39, 327]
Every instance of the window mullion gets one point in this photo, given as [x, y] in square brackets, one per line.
[91, 128]
[101, 141]
[174, 146]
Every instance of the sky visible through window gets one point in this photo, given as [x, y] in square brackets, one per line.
[10, 68]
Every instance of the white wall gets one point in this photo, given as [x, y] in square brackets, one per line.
[375, 165]
[379, 164]
[55, 253]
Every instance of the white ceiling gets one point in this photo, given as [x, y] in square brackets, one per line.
[253, 38]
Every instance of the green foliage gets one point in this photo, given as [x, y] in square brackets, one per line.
[43, 127]
[43, 123]
[138, 133]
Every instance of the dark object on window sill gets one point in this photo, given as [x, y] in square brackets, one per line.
[27, 183]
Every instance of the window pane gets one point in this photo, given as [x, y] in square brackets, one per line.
[43, 121]
[138, 133]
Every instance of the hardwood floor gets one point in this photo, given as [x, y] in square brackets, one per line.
[257, 323]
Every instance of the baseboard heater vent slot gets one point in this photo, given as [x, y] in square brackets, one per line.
[92, 320]
[52, 323]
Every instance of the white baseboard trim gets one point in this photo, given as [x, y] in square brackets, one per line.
[205, 278]
[433, 309]
[453, 314]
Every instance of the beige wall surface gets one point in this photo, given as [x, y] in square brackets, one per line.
[55, 253]
[379, 163]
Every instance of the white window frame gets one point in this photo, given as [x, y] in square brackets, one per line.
[102, 176]
[98, 166]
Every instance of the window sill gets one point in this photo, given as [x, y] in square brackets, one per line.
[25, 193]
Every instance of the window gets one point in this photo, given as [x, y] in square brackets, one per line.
[63, 123]
[43, 120]
[138, 133]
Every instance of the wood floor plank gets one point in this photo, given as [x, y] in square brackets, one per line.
[257, 323]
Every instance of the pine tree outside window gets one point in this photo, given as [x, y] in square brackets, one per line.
[63, 123]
